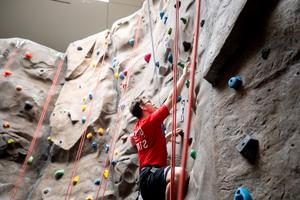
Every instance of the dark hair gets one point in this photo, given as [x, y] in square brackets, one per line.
[135, 108]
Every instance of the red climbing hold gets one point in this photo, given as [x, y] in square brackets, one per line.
[28, 55]
[7, 73]
[147, 57]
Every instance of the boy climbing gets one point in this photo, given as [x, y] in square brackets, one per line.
[150, 142]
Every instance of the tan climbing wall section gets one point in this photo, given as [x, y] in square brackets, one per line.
[247, 86]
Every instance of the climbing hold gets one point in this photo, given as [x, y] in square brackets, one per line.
[116, 75]
[157, 63]
[242, 194]
[84, 99]
[93, 64]
[184, 20]
[235, 82]
[179, 3]
[115, 62]
[89, 136]
[147, 57]
[49, 138]
[114, 162]
[98, 52]
[46, 191]
[19, 88]
[28, 55]
[59, 173]
[30, 160]
[179, 98]
[131, 42]
[180, 64]
[75, 180]
[7, 73]
[265, 53]
[193, 154]
[5, 125]
[10, 141]
[89, 197]
[165, 19]
[79, 48]
[97, 181]
[94, 145]
[125, 72]
[28, 105]
[170, 58]
[121, 76]
[161, 14]
[248, 147]
[202, 22]
[83, 107]
[91, 95]
[83, 119]
[106, 148]
[187, 83]
[186, 46]
[170, 31]
[105, 173]
[100, 131]
[116, 153]
[190, 141]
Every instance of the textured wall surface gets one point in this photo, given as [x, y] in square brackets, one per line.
[257, 40]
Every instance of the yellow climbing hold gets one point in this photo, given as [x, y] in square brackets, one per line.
[84, 99]
[5, 124]
[116, 153]
[94, 64]
[105, 173]
[89, 136]
[100, 131]
[83, 108]
[90, 197]
[49, 139]
[75, 180]
[116, 75]
[10, 141]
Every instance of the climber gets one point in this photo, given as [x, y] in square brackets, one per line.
[150, 142]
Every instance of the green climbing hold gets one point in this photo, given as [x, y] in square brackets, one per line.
[180, 64]
[193, 154]
[184, 20]
[187, 83]
[30, 160]
[59, 173]
[170, 31]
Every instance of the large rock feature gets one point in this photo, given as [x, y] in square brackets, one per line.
[257, 40]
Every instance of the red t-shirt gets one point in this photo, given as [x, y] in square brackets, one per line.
[150, 140]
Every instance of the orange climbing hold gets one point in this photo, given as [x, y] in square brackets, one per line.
[28, 55]
[5, 125]
[7, 73]
[147, 57]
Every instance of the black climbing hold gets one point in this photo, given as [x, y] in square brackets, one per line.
[184, 21]
[79, 48]
[186, 46]
[179, 98]
[178, 3]
[265, 53]
[28, 105]
[190, 141]
[248, 147]
[114, 162]
[235, 82]
[202, 22]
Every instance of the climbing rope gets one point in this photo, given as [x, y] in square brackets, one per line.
[80, 148]
[174, 102]
[37, 132]
[190, 101]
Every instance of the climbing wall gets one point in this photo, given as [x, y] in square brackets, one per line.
[245, 116]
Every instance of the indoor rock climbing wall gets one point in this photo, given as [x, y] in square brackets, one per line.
[246, 112]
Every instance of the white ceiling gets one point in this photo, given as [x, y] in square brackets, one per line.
[56, 23]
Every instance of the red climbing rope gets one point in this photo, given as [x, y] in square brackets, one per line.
[174, 102]
[9, 62]
[80, 148]
[190, 102]
[36, 133]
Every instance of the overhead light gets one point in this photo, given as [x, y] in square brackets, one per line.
[106, 1]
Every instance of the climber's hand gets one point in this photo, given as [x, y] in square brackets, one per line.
[186, 70]
[180, 132]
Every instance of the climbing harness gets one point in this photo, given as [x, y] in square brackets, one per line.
[190, 101]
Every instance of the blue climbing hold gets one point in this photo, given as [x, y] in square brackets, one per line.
[106, 148]
[161, 14]
[131, 42]
[94, 145]
[165, 19]
[179, 99]
[170, 58]
[97, 181]
[121, 76]
[235, 82]
[157, 63]
[113, 162]
[242, 194]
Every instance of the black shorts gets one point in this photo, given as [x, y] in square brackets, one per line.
[153, 183]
